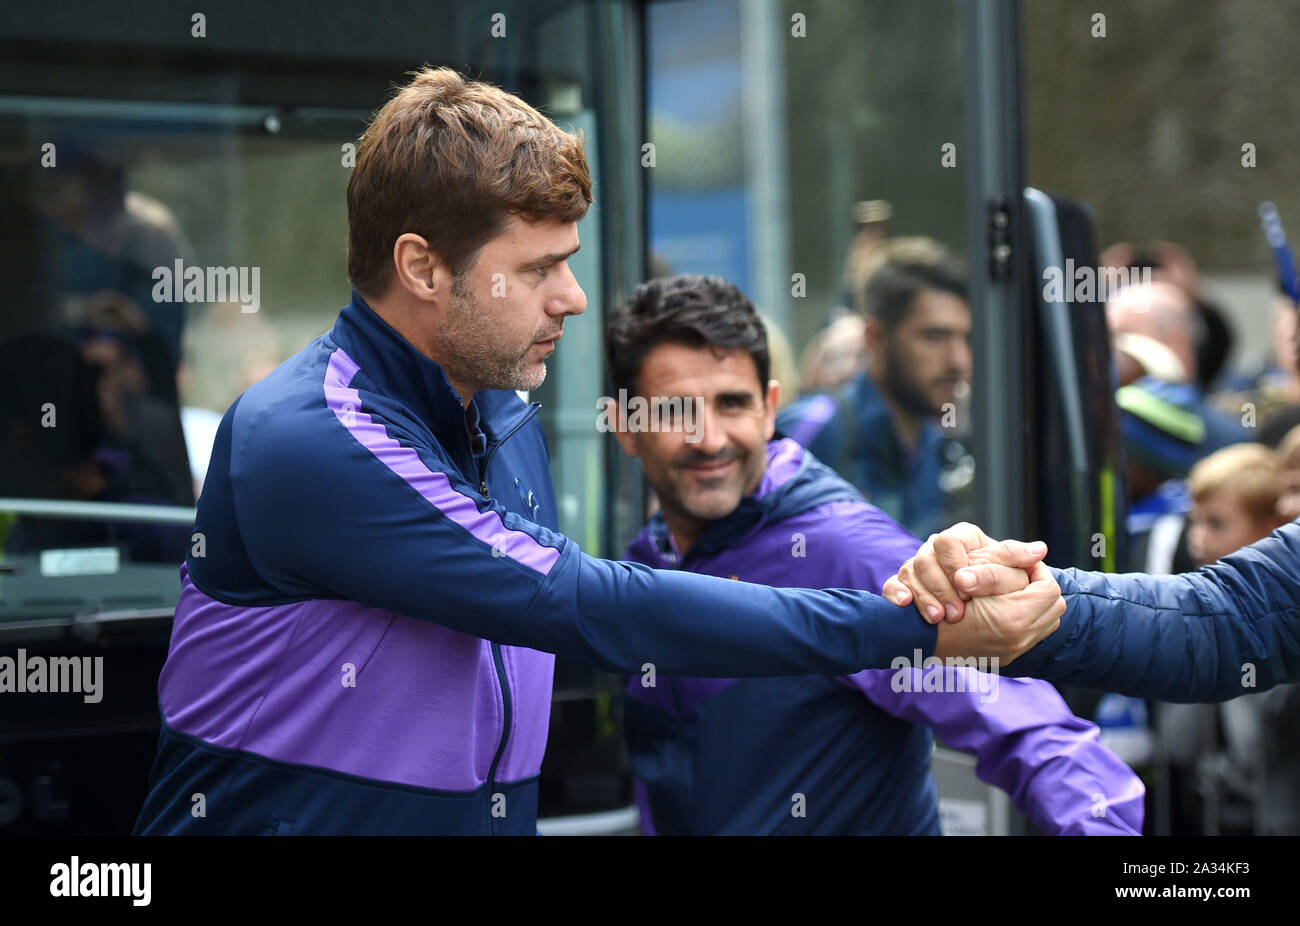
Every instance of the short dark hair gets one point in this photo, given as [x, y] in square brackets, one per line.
[901, 271]
[689, 309]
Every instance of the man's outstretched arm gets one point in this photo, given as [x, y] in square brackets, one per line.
[1231, 628]
[1026, 741]
[388, 523]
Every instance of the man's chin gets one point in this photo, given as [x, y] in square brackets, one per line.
[710, 506]
[525, 378]
[532, 378]
[924, 409]
[942, 397]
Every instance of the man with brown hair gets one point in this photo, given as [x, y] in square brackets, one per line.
[364, 633]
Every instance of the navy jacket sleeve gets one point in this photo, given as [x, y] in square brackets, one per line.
[1232, 628]
[371, 514]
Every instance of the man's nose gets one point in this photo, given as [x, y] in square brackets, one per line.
[571, 300]
[709, 437]
[961, 358]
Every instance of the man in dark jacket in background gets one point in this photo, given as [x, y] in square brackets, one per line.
[891, 431]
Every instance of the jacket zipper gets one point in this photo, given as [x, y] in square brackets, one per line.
[533, 409]
[497, 661]
[505, 732]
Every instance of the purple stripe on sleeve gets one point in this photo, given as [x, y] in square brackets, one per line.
[436, 488]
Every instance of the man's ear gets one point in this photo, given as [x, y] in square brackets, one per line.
[872, 333]
[873, 340]
[769, 408]
[419, 270]
[617, 418]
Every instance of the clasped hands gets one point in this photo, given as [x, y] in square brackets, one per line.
[989, 598]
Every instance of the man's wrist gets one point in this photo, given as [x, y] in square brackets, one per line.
[895, 631]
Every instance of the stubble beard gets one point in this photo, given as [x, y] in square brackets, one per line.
[907, 395]
[473, 356]
[703, 506]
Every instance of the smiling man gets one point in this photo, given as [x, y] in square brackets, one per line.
[811, 754]
[363, 640]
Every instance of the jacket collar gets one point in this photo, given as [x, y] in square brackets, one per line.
[876, 420]
[418, 383]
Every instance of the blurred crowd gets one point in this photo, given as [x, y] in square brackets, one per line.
[1213, 464]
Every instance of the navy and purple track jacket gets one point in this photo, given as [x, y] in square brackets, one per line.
[363, 638]
[729, 756]
[1228, 629]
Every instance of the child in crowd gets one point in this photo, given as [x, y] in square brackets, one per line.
[1234, 500]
